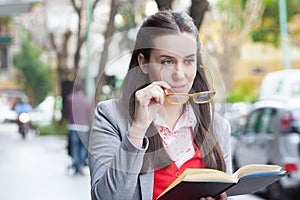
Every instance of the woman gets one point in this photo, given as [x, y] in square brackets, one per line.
[141, 143]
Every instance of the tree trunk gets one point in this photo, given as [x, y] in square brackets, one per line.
[81, 35]
[164, 4]
[79, 38]
[61, 57]
[101, 78]
[227, 60]
[197, 11]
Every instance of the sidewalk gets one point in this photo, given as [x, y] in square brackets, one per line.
[36, 169]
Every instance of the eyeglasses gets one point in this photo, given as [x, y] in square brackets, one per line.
[198, 97]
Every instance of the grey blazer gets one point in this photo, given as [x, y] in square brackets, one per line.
[115, 163]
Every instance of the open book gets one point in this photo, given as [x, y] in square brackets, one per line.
[195, 183]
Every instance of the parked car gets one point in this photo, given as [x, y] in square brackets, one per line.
[7, 115]
[43, 113]
[272, 136]
[281, 84]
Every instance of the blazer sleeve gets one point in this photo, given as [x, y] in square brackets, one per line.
[223, 132]
[114, 162]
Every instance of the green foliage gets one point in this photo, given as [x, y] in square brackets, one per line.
[56, 128]
[128, 14]
[33, 75]
[6, 20]
[269, 30]
[244, 91]
[233, 8]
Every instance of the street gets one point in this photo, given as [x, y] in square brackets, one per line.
[37, 169]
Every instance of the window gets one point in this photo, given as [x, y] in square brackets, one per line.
[268, 121]
[262, 121]
[252, 122]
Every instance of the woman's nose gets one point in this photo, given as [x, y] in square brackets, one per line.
[178, 72]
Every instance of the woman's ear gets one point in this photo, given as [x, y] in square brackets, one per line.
[143, 63]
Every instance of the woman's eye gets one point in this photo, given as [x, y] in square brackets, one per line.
[190, 61]
[167, 62]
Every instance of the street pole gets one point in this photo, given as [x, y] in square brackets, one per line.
[284, 33]
[88, 47]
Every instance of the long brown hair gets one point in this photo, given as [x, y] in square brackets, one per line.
[162, 23]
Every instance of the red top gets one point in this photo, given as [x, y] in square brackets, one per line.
[165, 176]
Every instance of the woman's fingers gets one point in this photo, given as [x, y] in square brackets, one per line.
[206, 198]
[162, 84]
[153, 91]
[148, 101]
[222, 196]
[159, 95]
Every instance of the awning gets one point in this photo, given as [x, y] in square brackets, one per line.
[13, 7]
[5, 40]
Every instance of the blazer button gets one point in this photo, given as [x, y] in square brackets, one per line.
[177, 174]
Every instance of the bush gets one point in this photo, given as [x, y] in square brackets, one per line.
[243, 91]
[56, 128]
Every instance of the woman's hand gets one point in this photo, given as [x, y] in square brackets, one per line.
[147, 101]
[222, 196]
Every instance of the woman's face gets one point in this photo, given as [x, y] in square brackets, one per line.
[173, 60]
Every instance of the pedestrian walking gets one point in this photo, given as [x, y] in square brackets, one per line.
[78, 112]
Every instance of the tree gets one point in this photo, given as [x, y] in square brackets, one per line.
[164, 4]
[59, 44]
[129, 11]
[269, 31]
[237, 19]
[56, 43]
[197, 9]
[62, 51]
[33, 74]
[107, 40]
[224, 41]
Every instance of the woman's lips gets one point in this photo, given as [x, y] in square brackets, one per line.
[178, 89]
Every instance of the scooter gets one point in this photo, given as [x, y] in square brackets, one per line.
[24, 124]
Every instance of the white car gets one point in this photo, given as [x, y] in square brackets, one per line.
[272, 136]
[44, 112]
[7, 115]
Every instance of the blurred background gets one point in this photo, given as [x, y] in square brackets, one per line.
[253, 47]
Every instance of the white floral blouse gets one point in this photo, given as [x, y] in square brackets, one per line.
[178, 142]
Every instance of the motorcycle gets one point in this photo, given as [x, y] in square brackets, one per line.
[24, 124]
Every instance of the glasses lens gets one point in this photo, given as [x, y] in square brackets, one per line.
[204, 97]
[177, 99]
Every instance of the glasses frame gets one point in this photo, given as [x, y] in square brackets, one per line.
[188, 96]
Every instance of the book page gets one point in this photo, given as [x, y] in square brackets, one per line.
[213, 177]
[256, 168]
[199, 172]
